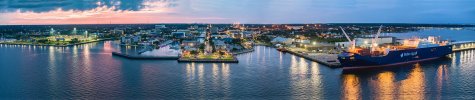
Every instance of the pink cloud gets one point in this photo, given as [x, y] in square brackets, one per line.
[152, 12]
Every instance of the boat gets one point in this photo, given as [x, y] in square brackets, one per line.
[412, 50]
[282, 49]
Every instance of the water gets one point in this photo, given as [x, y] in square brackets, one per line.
[90, 71]
[446, 34]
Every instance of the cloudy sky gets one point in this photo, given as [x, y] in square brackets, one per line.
[232, 11]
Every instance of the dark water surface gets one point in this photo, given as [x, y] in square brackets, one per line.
[444, 33]
[90, 71]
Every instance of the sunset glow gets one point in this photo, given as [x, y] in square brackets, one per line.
[225, 11]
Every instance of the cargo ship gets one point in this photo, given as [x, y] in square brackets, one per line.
[411, 50]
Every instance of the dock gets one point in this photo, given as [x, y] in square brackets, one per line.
[234, 60]
[8, 43]
[330, 60]
[179, 59]
[138, 57]
[463, 45]
[243, 51]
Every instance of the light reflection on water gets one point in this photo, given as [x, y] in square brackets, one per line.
[426, 80]
[89, 71]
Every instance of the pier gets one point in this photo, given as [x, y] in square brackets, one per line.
[463, 45]
[66, 45]
[145, 57]
[243, 51]
[234, 60]
[330, 60]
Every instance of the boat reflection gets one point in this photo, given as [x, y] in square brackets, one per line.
[386, 85]
[351, 87]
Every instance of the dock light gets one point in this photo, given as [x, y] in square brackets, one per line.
[314, 43]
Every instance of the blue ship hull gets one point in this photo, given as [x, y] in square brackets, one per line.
[356, 61]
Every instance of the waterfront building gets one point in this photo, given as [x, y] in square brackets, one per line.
[190, 45]
[281, 40]
[130, 39]
[219, 45]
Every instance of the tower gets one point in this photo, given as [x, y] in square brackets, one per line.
[74, 31]
[51, 31]
[86, 33]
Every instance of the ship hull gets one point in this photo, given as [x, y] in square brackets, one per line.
[394, 58]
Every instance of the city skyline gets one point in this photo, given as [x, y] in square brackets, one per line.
[18, 12]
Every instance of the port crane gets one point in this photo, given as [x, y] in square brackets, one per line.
[352, 45]
[374, 42]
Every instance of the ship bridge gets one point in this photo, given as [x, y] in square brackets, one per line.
[463, 45]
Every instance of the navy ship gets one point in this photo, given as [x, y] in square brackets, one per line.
[409, 51]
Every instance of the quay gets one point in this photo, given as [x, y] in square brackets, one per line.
[332, 61]
[7, 43]
[243, 51]
[234, 60]
[145, 57]
[463, 45]
[178, 58]
[329, 60]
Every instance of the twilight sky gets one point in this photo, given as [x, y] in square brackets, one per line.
[231, 11]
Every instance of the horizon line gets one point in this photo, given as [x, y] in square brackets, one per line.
[473, 24]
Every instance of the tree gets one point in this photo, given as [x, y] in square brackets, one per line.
[193, 52]
[221, 53]
[234, 49]
[236, 41]
[75, 40]
[42, 41]
[202, 47]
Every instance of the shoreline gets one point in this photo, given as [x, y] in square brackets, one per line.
[145, 57]
[177, 58]
[74, 44]
[234, 60]
[243, 51]
[320, 61]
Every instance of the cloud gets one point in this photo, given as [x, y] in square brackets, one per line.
[229, 11]
[77, 5]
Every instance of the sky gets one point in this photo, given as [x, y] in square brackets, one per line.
[19, 12]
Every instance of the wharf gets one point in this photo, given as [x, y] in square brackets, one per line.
[332, 61]
[329, 60]
[7, 43]
[234, 60]
[463, 45]
[145, 57]
[243, 51]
